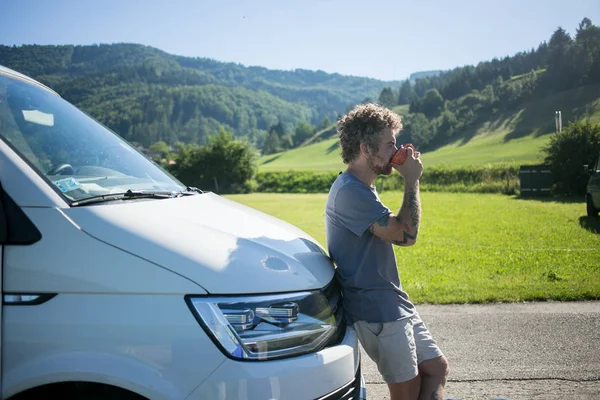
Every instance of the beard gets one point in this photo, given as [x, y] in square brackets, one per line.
[379, 166]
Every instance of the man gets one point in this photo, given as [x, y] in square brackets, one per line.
[361, 232]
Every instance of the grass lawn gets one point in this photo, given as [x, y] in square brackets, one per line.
[478, 247]
[482, 150]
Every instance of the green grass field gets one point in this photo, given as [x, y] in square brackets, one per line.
[476, 248]
[516, 137]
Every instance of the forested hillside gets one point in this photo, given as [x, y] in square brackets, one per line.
[147, 95]
[457, 104]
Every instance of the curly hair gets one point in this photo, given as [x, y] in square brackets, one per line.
[364, 124]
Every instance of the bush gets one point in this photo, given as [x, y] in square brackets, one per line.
[224, 165]
[473, 179]
[567, 153]
[295, 181]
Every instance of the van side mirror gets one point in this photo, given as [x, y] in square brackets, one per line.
[3, 222]
[15, 227]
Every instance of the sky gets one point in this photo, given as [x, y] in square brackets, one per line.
[382, 39]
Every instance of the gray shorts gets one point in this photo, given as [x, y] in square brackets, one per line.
[397, 347]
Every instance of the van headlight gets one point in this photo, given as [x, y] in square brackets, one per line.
[266, 327]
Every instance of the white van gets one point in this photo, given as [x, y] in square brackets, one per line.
[119, 282]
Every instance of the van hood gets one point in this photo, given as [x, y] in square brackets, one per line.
[223, 246]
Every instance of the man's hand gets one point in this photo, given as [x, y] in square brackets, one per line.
[402, 229]
[412, 168]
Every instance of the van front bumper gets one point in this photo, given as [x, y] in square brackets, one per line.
[330, 374]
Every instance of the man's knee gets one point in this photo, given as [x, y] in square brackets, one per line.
[435, 367]
[444, 366]
[405, 390]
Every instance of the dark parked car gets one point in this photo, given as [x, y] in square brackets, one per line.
[593, 189]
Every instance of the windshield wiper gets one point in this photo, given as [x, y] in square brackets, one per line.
[189, 189]
[130, 194]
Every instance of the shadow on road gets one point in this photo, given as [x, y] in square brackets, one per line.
[591, 224]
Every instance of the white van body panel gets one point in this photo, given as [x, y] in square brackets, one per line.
[68, 260]
[147, 343]
[221, 245]
[306, 377]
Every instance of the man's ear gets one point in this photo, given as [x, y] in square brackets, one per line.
[364, 149]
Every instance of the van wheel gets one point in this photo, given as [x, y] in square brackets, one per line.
[77, 391]
[591, 210]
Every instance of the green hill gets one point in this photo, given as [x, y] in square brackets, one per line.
[146, 95]
[516, 136]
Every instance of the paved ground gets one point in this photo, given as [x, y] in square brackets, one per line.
[526, 351]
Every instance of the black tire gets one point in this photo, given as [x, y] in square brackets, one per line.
[591, 210]
[77, 391]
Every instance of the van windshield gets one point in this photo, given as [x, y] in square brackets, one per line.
[76, 154]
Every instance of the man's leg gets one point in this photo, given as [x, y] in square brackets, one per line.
[433, 374]
[408, 390]
[391, 346]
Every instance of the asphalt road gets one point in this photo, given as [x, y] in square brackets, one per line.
[523, 351]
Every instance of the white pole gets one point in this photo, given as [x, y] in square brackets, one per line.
[559, 122]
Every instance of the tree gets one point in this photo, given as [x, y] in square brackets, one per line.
[421, 86]
[278, 128]
[405, 93]
[566, 153]
[583, 25]
[161, 148]
[303, 132]
[417, 130]
[415, 105]
[587, 52]
[286, 142]
[448, 123]
[488, 94]
[387, 98]
[324, 124]
[432, 103]
[224, 165]
[271, 144]
[558, 47]
[530, 83]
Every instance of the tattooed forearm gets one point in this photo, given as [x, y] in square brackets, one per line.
[383, 221]
[405, 228]
[407, 237]
[409, 216]
[414, 206]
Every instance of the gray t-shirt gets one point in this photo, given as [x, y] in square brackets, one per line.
[366, 265]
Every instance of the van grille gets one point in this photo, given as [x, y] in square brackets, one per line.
[350, 391]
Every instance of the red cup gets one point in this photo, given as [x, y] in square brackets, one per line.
[401, 154]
